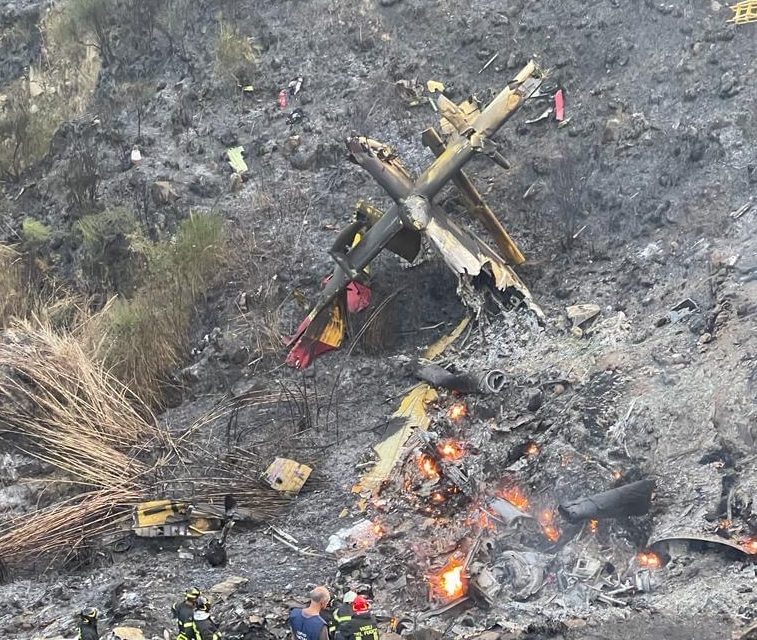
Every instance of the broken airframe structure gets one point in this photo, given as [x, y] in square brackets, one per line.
[467, 130]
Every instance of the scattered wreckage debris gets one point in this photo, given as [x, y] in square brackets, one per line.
[632, 499]
[581, 317]
[744, 12]
[413, 213]
[487, 382]
[746, 545]
[290, 541]
[287, 476]
[744, 208]
[236, 160]
[177, 518]
[678, 313]
[410, 416]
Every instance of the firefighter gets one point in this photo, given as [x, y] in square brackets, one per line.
[88, 625]
[342, 614]
[362, 624]
[183, 611]
[205, 628]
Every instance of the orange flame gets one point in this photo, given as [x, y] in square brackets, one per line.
[548, 527]
[428, 467]
[649, 559]
[437, 497]
[457, 411]
[724, 524]
[749, 545]
[515, 496]
[451, 582]
[532, 449]
[593, 526]
[451, 450]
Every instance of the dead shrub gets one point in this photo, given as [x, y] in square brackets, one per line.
[81, 176]
[26, 129]
[236, 56]
[108, 257]
[89, 22]
[13, 295]
[143, 338]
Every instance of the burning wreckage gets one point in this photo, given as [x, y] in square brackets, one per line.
[461, 510]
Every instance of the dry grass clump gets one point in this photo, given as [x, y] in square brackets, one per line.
[143, 338]
[236, 56]
[13, 298]
[108, 256]
[62, 408]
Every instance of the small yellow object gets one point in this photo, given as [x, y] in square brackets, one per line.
[236, 160]
[744, 12]
[434, 87]
[287, 475]
[344, 513]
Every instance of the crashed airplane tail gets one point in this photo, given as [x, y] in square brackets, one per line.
[469, 131]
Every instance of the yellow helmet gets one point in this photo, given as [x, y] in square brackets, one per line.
[193, 593]
[90, 615]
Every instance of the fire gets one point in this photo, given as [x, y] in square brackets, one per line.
[649, 559]
[515, 496]
[617, 474]
[548, 527]
[428, 467]
[457, 411]
[749, 545]
[451, 582]
[593, 526]
[437, 497]
[532, 449]
[451, 450]
[724, 524]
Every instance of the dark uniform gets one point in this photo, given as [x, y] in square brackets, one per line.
[206, 629]
[88, 631]
[340, 616]
[184, 613]
[360, 626]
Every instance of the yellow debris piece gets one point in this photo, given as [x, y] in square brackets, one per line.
[287, 475]
[744, 12]
[434, 86]
[236, 160]
[333, 333]
[436, 349]
[413, 408]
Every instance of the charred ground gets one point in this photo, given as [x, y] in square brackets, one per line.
[659, 150]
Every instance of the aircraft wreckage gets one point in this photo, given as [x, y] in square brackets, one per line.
[467, 130]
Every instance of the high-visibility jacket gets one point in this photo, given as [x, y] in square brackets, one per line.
[88, 631]
[184, 613]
